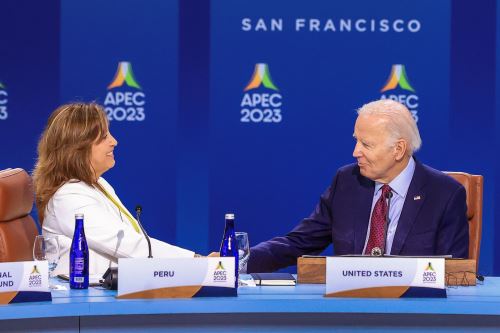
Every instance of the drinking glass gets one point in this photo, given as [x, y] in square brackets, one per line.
[47, 248]
[243, 251]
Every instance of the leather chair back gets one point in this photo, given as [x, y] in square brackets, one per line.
[17, 228]
[474, 188]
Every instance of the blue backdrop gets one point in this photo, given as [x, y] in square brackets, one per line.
[122, 35]
[272, 173]
[249, 106]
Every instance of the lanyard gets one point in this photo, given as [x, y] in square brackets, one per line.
[132, 221]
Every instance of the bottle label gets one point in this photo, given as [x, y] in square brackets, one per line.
[79, 265]
[79, 279]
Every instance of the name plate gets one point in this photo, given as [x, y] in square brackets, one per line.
[24, 281]
[384, 277]
[176, 277]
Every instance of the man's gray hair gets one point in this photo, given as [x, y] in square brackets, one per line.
[400, 123]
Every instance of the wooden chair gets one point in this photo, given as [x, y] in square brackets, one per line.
[17, 228]
[474, 188]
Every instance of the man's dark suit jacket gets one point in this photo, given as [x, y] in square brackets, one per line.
[433, 221]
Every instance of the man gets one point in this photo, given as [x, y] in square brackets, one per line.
[427, 209]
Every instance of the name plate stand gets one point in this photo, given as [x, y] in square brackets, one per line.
[24, 281]
[176, 277]
[384, 277]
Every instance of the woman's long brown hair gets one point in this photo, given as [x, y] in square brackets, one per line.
[64, 149]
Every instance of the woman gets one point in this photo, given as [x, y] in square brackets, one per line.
[75, 149]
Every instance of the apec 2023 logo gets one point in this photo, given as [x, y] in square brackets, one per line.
[125, 99]
[261, 105]
[4, 114]
[401, 90]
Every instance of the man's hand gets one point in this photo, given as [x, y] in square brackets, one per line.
[213, 254]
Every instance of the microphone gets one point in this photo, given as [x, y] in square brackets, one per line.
[110, 277]
[138, 211]
[388, 197]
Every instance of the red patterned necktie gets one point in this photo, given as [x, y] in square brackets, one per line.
[376, 241]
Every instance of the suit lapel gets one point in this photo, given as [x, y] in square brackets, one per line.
[362, 212]
[413, 203]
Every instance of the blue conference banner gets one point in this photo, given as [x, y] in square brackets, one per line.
[125, 58]
[249, 106]
[29, 77]
[472, 105]
[285, 86]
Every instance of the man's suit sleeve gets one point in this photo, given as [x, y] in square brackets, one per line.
[453, 235]
[311, 236]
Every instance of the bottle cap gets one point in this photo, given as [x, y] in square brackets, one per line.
[79, 216]
[229, 216]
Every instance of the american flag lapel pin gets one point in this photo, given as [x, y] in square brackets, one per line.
[417, 197]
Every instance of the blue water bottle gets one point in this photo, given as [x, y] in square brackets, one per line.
[79, 257]
[228, 247]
